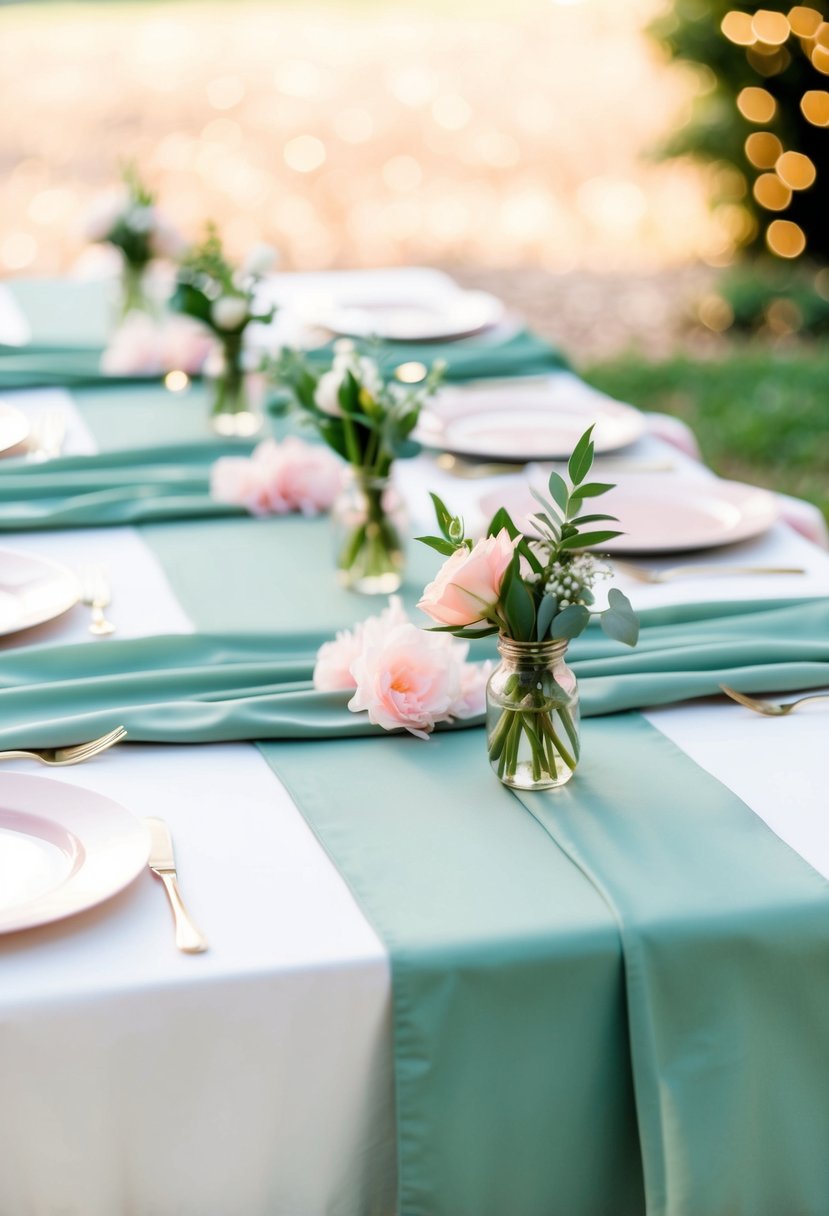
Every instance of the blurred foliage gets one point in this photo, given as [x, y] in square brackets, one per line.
[760, 415]
[691, 32]
[776, 298]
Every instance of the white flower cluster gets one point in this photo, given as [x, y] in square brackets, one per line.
[569, 580]
[116, 207]
[346, 359]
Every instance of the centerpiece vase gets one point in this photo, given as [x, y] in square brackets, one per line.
[133, 292]
[231, 413]
[369, 523]
[532, 715]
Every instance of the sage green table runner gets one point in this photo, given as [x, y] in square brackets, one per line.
[638, 935]
[69, 323]
[511, 1031]
[209, 687]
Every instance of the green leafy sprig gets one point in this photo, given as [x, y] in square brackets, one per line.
[529, 608]
[376, 414]
[205, 276]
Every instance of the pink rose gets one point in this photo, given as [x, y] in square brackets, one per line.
[405, 677]
[332, 672]
[468, 583]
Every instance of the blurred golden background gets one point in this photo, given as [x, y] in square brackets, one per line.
[495, 134]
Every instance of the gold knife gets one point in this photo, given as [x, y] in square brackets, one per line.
[163, 864]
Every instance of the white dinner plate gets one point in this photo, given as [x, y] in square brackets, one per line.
[455, 314]
[63, 849]
[33, 590]
[541, 420]
[14, 428]
[667, 515]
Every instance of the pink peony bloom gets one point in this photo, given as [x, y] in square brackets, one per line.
[237, 480]
[134, 349]
[406, 677]
[299, 476]
[332, 672]
[142, 346]
[279, 478]
[468, 583]
[184, 344]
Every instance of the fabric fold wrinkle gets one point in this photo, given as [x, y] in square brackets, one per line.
[208, 687]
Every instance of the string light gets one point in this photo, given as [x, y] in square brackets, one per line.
[796, 170]
[738, 28]
[769, 27]
[763, 149]
[757, 105]
[815, 107]
[805, 22]
[786, 239]
[771, 192]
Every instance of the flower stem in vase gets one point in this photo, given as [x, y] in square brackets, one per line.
[532, 716]
[369, 536]
[231, 412]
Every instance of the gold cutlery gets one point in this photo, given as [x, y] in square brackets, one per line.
[643, 575]
[772, 709]
[163, 864]
[47, 434]
[59, 757]
[96, 594]
[461, 466]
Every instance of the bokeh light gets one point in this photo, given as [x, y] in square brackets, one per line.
[796, 170]
[756, 104]
[785, 238]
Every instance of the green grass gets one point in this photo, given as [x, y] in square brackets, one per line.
[760, 415]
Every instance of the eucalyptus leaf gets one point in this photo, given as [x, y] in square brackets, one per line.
[584, 540]
[519, 607]
[547, 609]
[558, 489]
[438, 543]
[570, 622]
[579, 463]
[619, 621]
[593, 489]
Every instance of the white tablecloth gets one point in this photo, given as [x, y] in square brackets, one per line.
[256, 1079]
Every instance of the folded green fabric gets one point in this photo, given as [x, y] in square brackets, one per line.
[522, 354]
[542, 944]
[70, 321]
[129, 486]
[210, 687]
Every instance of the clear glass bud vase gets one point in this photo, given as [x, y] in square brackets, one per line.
[369, 522]
[532, 716]
[232, 412]
[133, 292]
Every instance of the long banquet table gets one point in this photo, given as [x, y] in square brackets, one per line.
[258, 1078]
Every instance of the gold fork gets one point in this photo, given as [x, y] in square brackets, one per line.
[59, 757]
[643, 575]
[772, 709]
[96, 594]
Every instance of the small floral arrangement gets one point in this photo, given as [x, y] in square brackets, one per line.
[400, 675]
[279, 478]
[144, 346]
[367, 418]
[129, 219]
[222, 297]
[536, 592]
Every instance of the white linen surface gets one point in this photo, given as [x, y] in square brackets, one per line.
[256, 1078]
